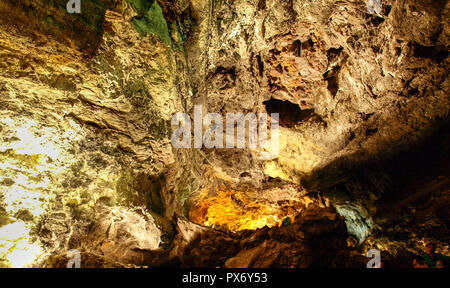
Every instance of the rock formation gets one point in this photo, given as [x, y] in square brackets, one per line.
[86, 160]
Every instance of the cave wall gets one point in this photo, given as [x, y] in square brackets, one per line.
[371, 85]
[86, 104]
[387, 92]
[371, 92]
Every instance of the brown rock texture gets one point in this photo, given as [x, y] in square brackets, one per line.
[79, 129]
[316, 239]
[86, 103]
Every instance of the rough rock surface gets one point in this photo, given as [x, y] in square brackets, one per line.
[363, 100]
[317, 238]
[86, 102]
[80, 130]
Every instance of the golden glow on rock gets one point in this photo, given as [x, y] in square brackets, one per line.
[298, 155]
[234, 211]
[271, 168]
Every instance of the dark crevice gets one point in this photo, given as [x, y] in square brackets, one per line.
[260, 65]
[436, 53]
[387, 10]
[308, 45]
[279, 68]
[331, 77]
[290, 113]
[296, 48]
[333, 53]
[261, 5]
[370, 132]
[376, 21]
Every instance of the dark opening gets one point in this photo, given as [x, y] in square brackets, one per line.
[386, 10]
[296, 48]
[333, 53]
[331, 77]
[260, 65]
[308, 45]
[376, 20]
[261, 5]
[435, 53]
[290, 113]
